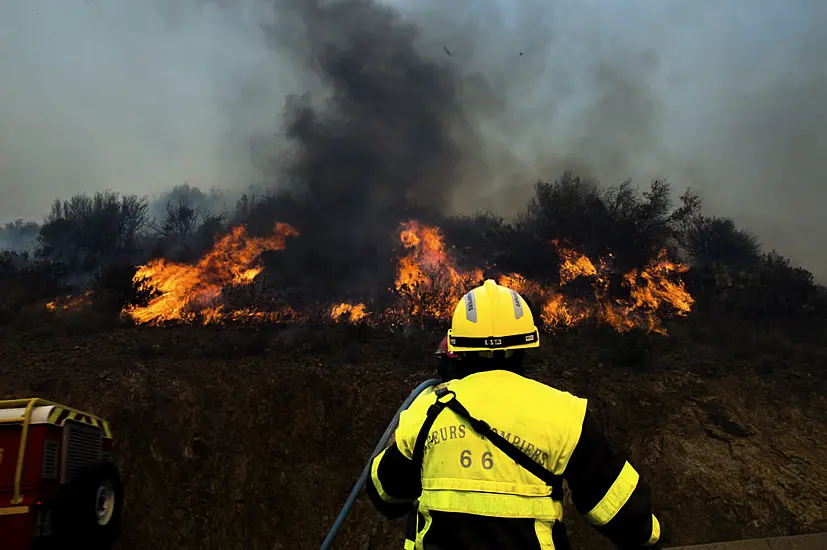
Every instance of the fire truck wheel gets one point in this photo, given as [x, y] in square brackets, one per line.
[90, 509]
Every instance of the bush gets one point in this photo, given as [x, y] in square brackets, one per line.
[714, 240]
[96, 242]
[771, 289]
[630, 224]
[90, 233]
[185, 231]
[24, 283]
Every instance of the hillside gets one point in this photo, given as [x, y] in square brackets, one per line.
[249, 370]
[251, 438]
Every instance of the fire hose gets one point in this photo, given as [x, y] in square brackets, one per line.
[354, 494]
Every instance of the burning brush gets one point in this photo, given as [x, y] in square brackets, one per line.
[191, 292]
[428, 283]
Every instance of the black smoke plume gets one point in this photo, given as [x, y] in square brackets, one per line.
[378, 149]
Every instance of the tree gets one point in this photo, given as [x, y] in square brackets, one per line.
[180, 219]
[88, 233]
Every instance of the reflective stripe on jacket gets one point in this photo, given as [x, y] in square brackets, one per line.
[471, 495]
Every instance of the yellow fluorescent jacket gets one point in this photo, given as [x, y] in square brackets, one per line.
[465, 479]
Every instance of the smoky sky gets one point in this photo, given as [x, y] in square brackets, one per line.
[726, 98]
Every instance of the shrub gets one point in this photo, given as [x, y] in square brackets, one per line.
[717, 240]
[621, 219]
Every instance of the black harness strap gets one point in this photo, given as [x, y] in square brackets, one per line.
[411, 527]
[418, 455]
[483, 429]
[425, 430]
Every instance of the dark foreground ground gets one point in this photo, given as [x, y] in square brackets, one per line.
[252, 439]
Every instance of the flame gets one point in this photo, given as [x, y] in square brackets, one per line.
[428, 284]
[653, 294]
[187, 292]
[652, 288]
[559, 312]
[572, 264]
[353, 312]
[70, 303]
[220, 315]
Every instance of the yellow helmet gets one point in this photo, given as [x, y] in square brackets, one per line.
[492, 317]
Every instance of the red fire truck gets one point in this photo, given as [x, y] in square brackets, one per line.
[58, 485]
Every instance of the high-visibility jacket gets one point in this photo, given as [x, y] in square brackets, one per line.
[472, 495]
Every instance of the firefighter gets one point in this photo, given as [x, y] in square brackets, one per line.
[479, 461]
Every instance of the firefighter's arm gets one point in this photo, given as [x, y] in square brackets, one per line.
[394, 482]
[609, 492]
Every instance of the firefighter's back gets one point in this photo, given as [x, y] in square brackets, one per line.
[473, 495]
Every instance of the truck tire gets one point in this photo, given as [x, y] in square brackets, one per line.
[89, 511]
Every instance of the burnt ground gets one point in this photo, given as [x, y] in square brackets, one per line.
[234, 438]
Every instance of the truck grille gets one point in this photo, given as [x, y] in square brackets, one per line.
[83, 447]
[50, 451]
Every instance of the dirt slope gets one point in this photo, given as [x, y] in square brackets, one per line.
[242, 438]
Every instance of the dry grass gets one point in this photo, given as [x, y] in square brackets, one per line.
[252, 438]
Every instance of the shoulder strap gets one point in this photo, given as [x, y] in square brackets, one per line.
[483, 429]
[425, 430]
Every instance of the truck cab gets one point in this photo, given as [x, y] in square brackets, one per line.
[59, 487]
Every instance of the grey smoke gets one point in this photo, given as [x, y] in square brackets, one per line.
[727, 98]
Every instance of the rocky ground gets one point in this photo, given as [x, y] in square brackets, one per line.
[234, 438]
